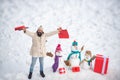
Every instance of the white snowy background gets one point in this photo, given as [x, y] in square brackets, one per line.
[93, 23]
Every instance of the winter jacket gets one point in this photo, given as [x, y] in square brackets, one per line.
[38, 43]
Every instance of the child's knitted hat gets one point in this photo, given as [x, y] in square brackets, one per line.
[58, 48]
[75, 43]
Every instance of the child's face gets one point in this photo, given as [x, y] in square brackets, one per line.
[58, 51]
[87, 55]
[75, 46]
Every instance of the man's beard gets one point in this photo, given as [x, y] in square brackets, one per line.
[40, 33]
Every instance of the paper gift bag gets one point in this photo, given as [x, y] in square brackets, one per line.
[63, 34]
[20, 27]
[101, 64]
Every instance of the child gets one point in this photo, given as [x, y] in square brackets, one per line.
[75, 53]
[88, 59]
[58, 56]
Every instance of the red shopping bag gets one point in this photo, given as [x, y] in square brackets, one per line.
[20, 28]
[63, 34]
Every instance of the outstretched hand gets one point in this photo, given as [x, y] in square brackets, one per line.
[24, 30]
[59, 29]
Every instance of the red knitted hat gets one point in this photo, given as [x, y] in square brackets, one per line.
[58, 48]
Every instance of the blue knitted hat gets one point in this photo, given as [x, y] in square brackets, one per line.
[75, 43]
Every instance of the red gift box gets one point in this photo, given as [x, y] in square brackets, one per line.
[76, 69]
[63, 34]
[62, 70]
[20, 27]
[101, 64]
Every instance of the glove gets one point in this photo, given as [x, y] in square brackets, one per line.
[49, 54]
[67, 62]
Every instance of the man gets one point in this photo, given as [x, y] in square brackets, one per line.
[38, 49]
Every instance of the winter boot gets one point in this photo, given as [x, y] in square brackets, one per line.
[30, 75]
[42, 74]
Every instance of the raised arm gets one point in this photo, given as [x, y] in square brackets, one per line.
[82, 48]
[28, 32]
[53, 32]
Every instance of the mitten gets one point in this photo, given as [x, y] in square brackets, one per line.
[49, 54]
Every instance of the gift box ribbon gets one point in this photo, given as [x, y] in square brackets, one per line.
[103, 67]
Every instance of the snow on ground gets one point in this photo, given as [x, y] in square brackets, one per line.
[93, 23]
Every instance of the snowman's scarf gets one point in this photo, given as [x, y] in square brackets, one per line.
[74, 52]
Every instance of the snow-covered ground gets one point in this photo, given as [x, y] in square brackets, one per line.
[93, 23]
